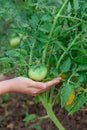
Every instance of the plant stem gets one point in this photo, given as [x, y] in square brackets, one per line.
[75, 18]
[51, 114]
[51, 94]
[71, 28]
[52, 29]
[62, 56]
[43, 117]
[31, 53]
[56, 17]
[71, 76]
[54, 119]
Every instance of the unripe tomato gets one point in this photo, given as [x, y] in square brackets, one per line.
[38, 73]
[14, 41]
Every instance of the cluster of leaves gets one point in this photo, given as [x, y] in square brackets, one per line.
[32, 20]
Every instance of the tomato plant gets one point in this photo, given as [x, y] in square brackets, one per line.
[54, 36]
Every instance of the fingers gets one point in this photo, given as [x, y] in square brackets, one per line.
[33, 84]
[46, 85]
[39, 85]
[32, 91]
[53, 82]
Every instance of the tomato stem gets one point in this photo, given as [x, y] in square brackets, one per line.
[31, 53]
[52, 29]
[54, 119]
[68, 48]
[43, 117]
[56, 18]
[74, 18]
[51, 114]
[51, 95]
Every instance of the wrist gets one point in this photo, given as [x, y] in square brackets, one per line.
[5, 87]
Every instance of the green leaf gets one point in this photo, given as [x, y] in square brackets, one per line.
[61, 46]
[13, 53]
[65, 92]
[82, 67]
[81, 60]
[57, 100]
[82, 77]
[76, 5]
[44, 39]
[81, 99]
[36, 126]
[57, 30]
[84, 27]
[29, 117]
[54, 72]
[69, 7]
[34, 21]
[66, 65]
[4, 59]
[46, 17]
[45, 28]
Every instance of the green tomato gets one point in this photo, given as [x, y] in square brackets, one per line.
[38, 73]
[14, 41]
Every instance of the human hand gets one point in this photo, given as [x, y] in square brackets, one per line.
[28, 86]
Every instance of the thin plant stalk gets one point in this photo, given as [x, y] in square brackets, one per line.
[51, 114]
[52, 29]
[31, 53]
[68, 48]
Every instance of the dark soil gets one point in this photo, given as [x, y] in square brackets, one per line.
[13, 112]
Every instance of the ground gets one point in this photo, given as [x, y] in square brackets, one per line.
[13, 112]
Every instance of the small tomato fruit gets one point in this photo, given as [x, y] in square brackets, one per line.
[14, 41]
[38, 73]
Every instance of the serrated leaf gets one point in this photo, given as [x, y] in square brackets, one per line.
[36, 126]
[4, 59]
[29, 117]
[82, 77]
[60, 45]
[84, 27]
[43, 39]
[34, 21]
[69, 8]
[81, 99]
[57, 30]
[65, 92]
[66, 65]
[81, 60]
[45, 28]
[46, 17]
[82, 67]
[12, 53]
[54, 72]
[76, 5]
